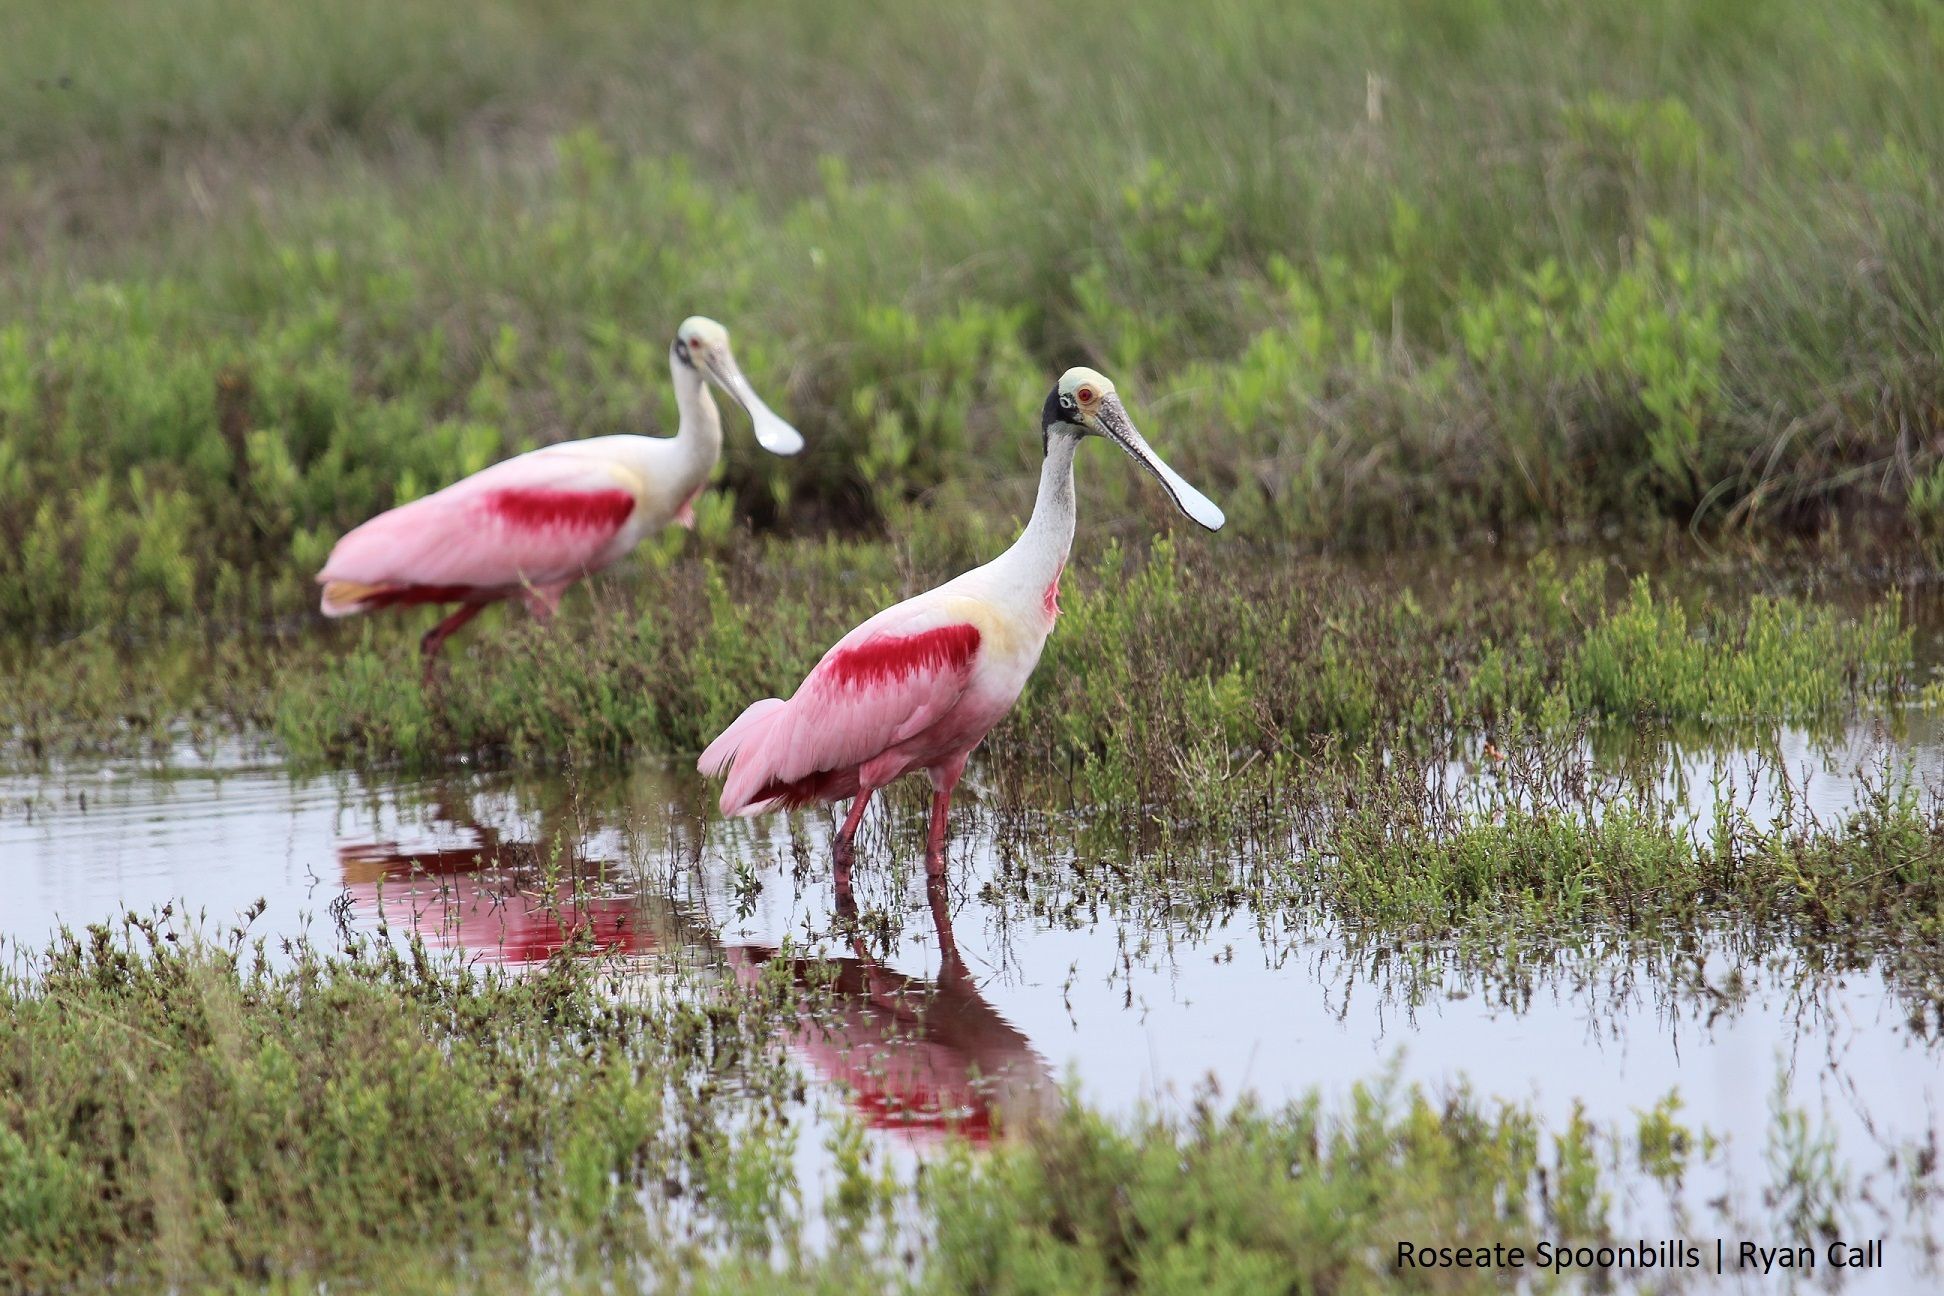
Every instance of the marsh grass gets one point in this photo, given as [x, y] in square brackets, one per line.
[189, 1103]
[1169, 672]
[1303, 1199]
[186, 1106]
[1627, 857]
[1412, 755]
[1551, 860]
[1371, 273]
[1177, 674]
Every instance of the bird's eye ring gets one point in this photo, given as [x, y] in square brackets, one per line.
[1086, 395]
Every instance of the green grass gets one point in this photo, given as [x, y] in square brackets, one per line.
[188, 1105]
[1369, 272]
[1628, 859]
[184, 1108]
[1171, 669]
[1206, 731]
[1164, 673]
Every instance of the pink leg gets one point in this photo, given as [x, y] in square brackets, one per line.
[841, 849]
[435, 637]
[544, 600]
[944, 779]
[935, 840]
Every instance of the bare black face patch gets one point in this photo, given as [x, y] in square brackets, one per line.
[1058, 409]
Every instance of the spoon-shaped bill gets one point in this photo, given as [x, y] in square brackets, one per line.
[772, 433]
[1113, 417]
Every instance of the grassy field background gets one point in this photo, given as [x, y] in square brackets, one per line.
[1372, 273]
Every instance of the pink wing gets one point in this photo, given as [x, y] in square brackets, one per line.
[535, 520]
[884, 682]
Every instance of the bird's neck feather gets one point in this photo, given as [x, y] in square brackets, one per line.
[1038, 556]
[700, 430]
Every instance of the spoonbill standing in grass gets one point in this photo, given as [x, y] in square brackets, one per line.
[918, 686]
[534, 524]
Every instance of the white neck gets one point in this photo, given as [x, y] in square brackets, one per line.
[1038, 556]
[699, 433]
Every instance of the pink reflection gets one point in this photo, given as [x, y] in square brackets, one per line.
[924, 1058]
[491, 898]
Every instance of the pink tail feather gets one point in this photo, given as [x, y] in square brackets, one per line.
[747, 728]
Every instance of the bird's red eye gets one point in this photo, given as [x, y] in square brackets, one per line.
[1086, 395]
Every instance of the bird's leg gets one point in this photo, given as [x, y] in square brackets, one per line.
[841, 849]
[935, 840]
[944, 779]
[544, 600]
[435, 637]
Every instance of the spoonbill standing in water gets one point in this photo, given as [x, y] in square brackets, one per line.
[534, 524]
[918, 686]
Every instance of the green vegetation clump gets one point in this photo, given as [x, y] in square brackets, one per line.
[1370, 272]
[1501, 863]
[1305, 1199]
[1174, 674]
[1774, 658]
[1623, 858]
[1170, 669]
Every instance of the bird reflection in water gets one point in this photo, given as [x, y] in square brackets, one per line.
[920, 1057]
[508, 901]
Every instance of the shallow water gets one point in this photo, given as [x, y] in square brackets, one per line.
[952, 1013]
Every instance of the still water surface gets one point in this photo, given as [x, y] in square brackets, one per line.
[956, 1011]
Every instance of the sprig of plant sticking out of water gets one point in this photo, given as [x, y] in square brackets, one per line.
[1453, 862]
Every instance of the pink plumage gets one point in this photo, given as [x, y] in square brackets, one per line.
[890, 698]
[527, 525]
[533, 525]
[918, 686]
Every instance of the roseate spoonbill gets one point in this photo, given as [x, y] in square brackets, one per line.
[918, 686]
[534, 524]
